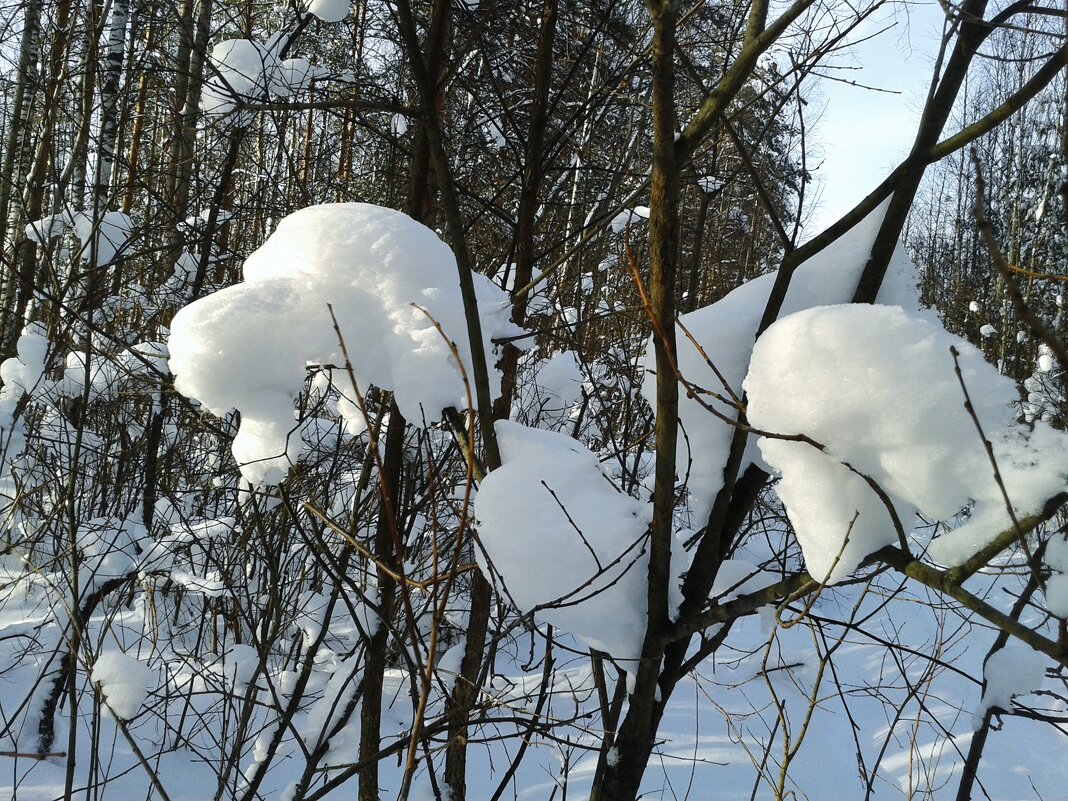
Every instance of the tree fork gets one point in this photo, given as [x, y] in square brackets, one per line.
[972, 34]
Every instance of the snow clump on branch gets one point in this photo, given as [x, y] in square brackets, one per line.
[878, 387]
[567, 544]
[390, 281]
[123, 682]
[330, 10]
[714, 356]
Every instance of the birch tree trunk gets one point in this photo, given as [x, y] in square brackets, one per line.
[18, 151]
[109, 101]
[38, 177]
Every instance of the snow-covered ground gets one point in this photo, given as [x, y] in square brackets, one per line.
[892, 721]
[223, 655]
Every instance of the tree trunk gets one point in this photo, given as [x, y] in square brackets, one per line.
[637, 734]
[192, 55]
[17, 155]
[37, 179]
[386, 542]
[109, 95]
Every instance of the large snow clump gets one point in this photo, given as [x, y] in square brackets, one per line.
[877, 387]
[576, 553]
[388, 280]
[726, 331]
[103, 237]
[330, 10]
[244, 71]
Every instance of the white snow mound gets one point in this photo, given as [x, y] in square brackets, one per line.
[123, 682]
[876, 386]
[249, 346]
[726, 331]
[330, 10]
[576, 553]
[1010, 671]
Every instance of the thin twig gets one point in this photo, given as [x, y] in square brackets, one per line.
[574, 525]
[813, 596]
[970, 408]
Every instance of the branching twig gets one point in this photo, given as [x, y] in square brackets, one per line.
[989, 447]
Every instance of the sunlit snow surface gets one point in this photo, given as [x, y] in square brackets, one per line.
[391, 283]
[877, 386]
[577, 553]
[758, 672]
[723, 334]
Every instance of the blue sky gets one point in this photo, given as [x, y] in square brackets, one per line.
[862, 134]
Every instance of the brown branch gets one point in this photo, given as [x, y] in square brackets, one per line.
[31, 755]
[941, 581]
